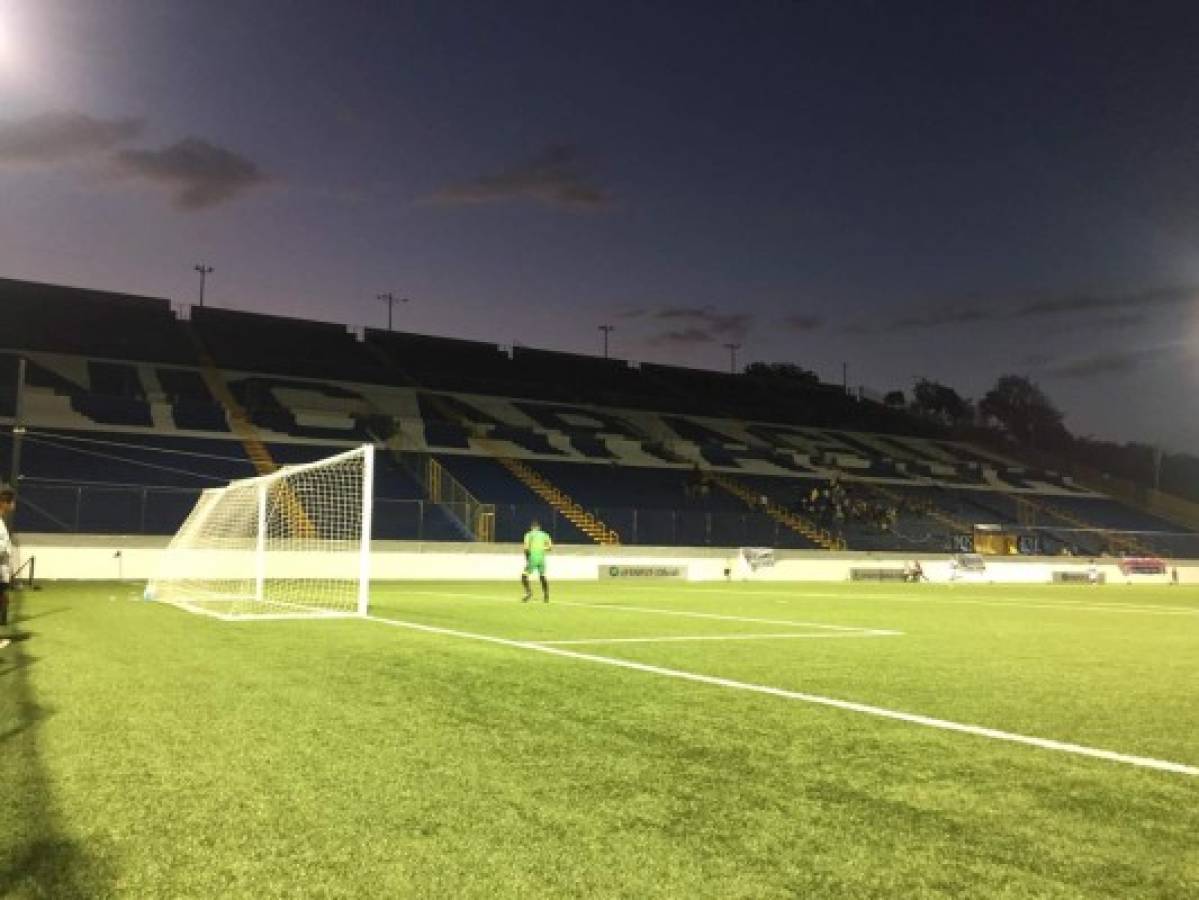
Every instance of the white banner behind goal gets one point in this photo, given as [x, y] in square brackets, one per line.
[294, 543]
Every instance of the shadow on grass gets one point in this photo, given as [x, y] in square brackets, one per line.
[37, 857]
[42, 615]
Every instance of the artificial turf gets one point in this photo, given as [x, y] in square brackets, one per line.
[148, 752]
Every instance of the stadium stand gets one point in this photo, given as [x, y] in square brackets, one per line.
[132, 411]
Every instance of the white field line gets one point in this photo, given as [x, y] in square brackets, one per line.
[715, 637]
[1060, 605]
[854, 629]
[881, 712]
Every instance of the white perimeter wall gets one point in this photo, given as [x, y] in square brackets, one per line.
[105, 557]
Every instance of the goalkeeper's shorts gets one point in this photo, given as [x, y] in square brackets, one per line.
[535, 564]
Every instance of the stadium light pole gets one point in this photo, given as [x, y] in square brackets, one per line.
[607, 330]
[390, 299]
[204, 271]
[732, 348]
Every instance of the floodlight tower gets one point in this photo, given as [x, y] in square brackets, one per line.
[390, 299]
[607, 330]
[732, 348]
[205, 271]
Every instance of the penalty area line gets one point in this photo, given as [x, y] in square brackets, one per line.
[1144, 762]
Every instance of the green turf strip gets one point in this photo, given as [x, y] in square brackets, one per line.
[154, 753]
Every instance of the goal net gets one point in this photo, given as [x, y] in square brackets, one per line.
[291, 544]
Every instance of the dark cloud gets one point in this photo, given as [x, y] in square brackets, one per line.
[555, 178]
[1119, 362]
[1165, 296]
[685, 336]
[1128, 309]
[635, 312]
[61, 137]
[1117, 321]
[198, 173]
[804, 323]
[734, 325]
[694, 324]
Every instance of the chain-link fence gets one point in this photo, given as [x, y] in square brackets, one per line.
[117, 509]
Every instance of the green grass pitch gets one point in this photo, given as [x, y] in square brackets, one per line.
[148, 752]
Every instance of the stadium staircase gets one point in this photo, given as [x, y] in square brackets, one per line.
[780, 514]
[572, 511]
[243, 427]
[474, 519]
[293, 510]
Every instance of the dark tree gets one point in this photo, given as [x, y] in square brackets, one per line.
[895, 399]
[941, 402]
[1024, 412]
[789, 371]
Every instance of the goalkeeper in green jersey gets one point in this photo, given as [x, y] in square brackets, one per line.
[537, 545]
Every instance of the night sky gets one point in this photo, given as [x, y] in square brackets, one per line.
[952, 191]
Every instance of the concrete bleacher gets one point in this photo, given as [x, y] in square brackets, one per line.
[93, 323]
[446, 363]
[253, 342]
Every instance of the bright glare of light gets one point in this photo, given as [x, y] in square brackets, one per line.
[14, 35]
[9, 63]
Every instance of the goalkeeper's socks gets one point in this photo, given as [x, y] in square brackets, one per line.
[545, 590]
[524, 580]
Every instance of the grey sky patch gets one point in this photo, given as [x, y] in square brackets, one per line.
[951, 316]
[53, 138]
[860, 328]
[199, 174]
[555, 178]
[804, 323]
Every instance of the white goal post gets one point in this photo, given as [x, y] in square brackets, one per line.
[291, 544]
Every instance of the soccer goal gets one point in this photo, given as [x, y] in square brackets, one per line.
[291, 544]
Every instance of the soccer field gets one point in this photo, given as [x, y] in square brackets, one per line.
[725, 740]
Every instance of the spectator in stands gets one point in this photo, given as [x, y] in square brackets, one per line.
[8, 502]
